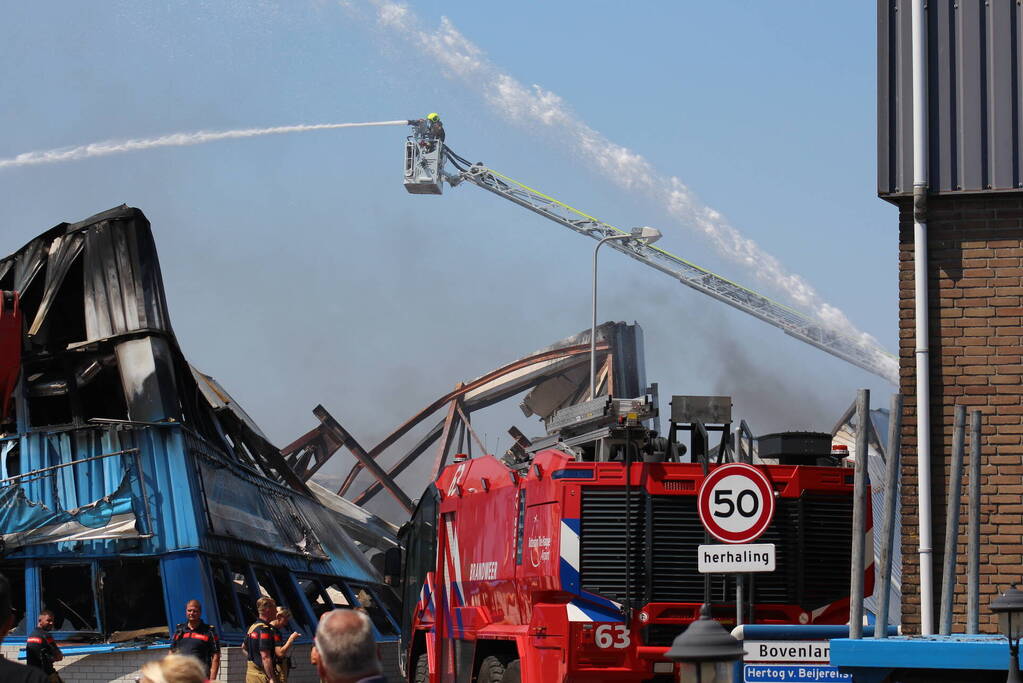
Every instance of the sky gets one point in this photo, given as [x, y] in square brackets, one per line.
[299, 271]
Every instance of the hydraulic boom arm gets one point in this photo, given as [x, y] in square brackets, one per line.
[424, 174]
[864, 353]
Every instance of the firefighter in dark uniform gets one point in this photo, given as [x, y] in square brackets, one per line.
[12, 672]
[284, 642]
[40, 649]
[435, 127]
[430, 130]
[261, 644]
[198, 639]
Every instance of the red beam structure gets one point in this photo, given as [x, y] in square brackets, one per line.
[575, 351]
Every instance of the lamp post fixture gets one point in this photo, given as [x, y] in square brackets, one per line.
[1009, 608]
[644, 235]
[706, 651]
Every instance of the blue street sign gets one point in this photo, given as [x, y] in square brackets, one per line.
[792, 673]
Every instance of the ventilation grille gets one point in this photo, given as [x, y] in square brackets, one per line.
[603, 533]
[674, 536]
[811, 537]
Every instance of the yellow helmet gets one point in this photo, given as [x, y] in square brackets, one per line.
[433, 117]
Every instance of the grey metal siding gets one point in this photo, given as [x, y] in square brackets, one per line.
[973, 99]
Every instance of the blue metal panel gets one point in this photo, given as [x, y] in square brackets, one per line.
[340, 555]
[988, 653]
[185, 578]
[170, 499]
[78, 650]
[175, 501]
[172, 488]
[176, 511]
[32, 594]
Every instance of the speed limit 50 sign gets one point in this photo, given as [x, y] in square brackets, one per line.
[736, 503]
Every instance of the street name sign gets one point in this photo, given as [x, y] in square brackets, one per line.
[792, 673]
[736, 503]
[735, 559]
[789, 661]
[777, 651]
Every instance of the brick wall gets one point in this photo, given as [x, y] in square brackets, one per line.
[98, 668]
[976, 327]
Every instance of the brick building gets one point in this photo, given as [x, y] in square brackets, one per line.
[975, 273]
[976, 322]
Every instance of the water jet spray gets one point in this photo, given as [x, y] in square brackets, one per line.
[108, 147]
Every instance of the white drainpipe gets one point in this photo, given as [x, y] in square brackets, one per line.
[923, 384]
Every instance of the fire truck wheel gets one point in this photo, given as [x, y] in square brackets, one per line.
[422, 669]
[491, 671]
[512, 673]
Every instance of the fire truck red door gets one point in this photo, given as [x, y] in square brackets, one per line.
[10, 348]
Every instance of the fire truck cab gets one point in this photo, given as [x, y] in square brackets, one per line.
[576, 558]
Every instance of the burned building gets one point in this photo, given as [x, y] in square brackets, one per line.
[130, 482]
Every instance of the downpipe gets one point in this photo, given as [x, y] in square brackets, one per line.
[923, 412]
[921, 294]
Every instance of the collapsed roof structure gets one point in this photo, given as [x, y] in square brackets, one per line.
[127, 473]
[555, 377]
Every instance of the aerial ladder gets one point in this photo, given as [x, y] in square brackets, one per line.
[425, 173]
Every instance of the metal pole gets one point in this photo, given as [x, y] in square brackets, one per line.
[973, 533]
[859, 515]
[1013, 676]
[744, 582]
[593, 319]
[955, 493]
[891, 501]
[706, 577]
[44, 470]
[738, 600]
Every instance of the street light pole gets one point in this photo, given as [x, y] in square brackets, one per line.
[645, 236]
[593, 324]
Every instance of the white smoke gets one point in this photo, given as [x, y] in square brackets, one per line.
[106, 148]
[533, 106]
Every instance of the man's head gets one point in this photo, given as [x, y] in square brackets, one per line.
[267, 608]
[45, 620]
[433, 117]
[174, 667]
[6, 616]
[345, 649]
[193, 610]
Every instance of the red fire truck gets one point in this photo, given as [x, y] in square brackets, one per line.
[577, 560]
